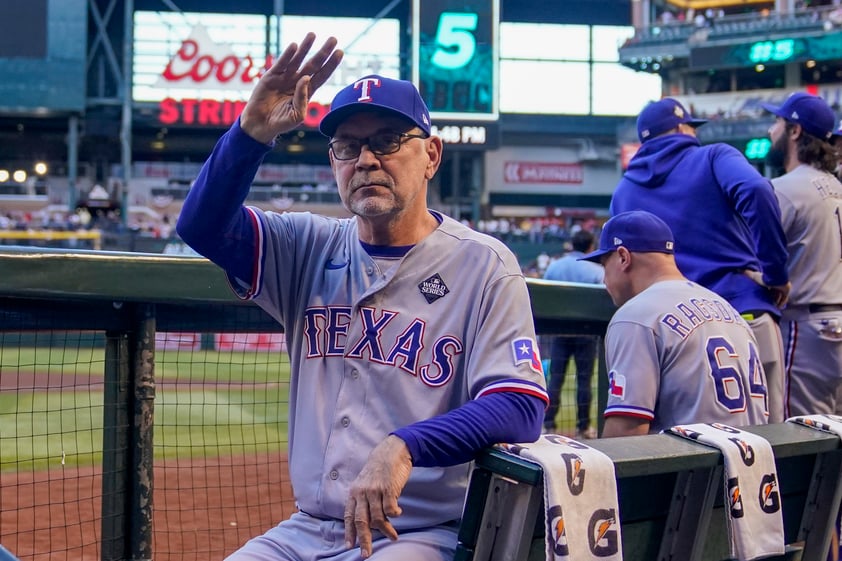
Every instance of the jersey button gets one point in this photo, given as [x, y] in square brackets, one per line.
[355, 374]
[346, 421]
[370, 271]
[334, 474]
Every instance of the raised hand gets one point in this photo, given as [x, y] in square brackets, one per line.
[374, 494]
[279, 101]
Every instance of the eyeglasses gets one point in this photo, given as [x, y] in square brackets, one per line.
[380, 144]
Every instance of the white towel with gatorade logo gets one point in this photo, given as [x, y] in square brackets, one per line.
[824, 423]
[755, 519]
[580, 495]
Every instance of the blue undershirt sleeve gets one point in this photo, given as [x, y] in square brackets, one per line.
[455, 437]
[213, 220]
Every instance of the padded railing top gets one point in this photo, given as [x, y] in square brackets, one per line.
[145, 277]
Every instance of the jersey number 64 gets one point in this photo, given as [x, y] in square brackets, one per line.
[730, 381]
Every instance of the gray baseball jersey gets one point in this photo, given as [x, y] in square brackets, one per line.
[679, 353]
[811, 324]
[372, 351]
[811, 216]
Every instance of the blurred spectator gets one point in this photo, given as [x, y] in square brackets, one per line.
[582, 349]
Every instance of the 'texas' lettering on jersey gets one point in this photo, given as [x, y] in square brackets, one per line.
[326, 335]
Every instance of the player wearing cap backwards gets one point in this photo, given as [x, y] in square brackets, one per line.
[676, 352]
[810, 198]
[410, 336]
[725, 218]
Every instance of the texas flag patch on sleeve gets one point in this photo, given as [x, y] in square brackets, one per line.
[525, 350]
[616, 385]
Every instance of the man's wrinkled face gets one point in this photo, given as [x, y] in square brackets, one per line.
[373, 185]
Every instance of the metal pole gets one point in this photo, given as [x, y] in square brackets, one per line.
[455, 191]
[72, 162]
[478, 177]
[126, 128]
[279, 11]
[115, 447]
[143, 374]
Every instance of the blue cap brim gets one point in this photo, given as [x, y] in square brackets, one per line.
[773, 109]
[595, 256]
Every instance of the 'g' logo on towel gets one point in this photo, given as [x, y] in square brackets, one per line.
[575, 473]
[746, 451]
[687, 433]
[815, 424]
[602, 533]
[770, 500]
[735, 498]
[557, 530]
[724, 428]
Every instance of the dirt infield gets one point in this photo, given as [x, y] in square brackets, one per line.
[203, 509]
[43, 381]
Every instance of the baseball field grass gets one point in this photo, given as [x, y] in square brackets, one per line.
[207, 404]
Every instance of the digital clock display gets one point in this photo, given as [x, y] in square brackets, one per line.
[770, 51]
[757, 148]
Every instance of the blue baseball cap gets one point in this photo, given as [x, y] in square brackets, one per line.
[636, 230]
[810, 111]
[660, 116]
[400, 97]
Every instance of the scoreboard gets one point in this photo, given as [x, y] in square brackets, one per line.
[455, 57]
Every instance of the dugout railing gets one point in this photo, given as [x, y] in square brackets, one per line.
[670, 494]
[60, 301]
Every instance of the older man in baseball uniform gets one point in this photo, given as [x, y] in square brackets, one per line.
[410, 336]
[676, 352]
[810, 197]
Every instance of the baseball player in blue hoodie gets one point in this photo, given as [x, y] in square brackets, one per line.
[726, 222]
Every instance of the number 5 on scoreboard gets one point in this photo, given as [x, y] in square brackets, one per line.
[455, 40]
[455, 58]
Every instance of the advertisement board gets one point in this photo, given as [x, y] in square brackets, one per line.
[200, 68]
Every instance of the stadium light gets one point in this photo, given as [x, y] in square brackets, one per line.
[40, 168]
[19, 175]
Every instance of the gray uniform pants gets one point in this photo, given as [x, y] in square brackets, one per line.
[813, 346]
[770, 347]
[303, 537]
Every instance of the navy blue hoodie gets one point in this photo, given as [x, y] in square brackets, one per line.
[723, 213]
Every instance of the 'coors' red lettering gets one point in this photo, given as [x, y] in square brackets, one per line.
[198, 67]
